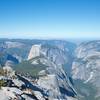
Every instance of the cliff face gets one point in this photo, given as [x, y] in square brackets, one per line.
[86, 66]
[34, 52]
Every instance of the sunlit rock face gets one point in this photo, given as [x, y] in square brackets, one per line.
[34, 52]
[87, 64]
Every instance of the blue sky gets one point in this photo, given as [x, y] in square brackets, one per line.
[50, 18]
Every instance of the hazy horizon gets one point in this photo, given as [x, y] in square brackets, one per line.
[52, 19]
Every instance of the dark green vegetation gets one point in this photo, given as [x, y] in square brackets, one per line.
[2, 73]
[26, 67]
[2, 83]
[85, 91]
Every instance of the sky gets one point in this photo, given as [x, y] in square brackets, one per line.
[50, 19]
